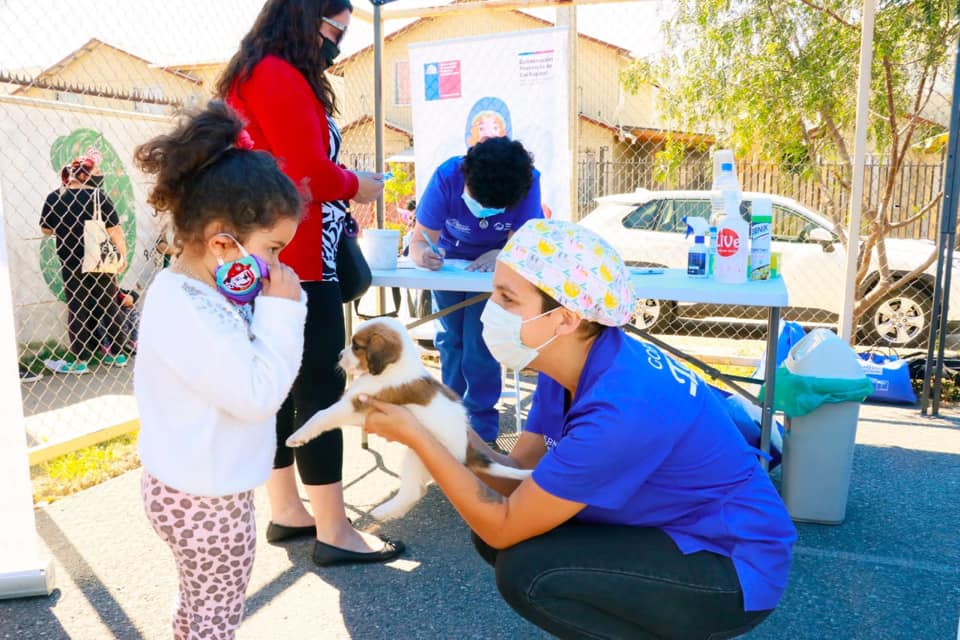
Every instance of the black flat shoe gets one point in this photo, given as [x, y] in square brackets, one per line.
[325, 555]
[279, 532]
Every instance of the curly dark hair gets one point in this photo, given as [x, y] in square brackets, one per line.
[498, 172]
[289, 30]
[201, 177]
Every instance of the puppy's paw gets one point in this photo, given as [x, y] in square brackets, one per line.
[301, 436]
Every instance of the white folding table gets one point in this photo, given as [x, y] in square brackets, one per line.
[669, 284]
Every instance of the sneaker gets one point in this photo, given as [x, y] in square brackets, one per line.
[63, 366]
[29, 376]
[118, 360]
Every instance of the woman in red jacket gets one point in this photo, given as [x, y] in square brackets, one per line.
[276, 81]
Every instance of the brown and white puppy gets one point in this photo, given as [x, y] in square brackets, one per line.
[388, 366]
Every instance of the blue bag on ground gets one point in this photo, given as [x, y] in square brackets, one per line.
[890, 377]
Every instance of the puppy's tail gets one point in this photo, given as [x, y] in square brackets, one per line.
[481, 463]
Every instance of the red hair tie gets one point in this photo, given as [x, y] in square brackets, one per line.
[244, 141]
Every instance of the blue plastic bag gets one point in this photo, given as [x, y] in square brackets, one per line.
[890, 377]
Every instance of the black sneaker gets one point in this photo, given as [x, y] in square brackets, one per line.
[29, 376]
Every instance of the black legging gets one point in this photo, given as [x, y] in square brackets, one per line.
[319, 384]
[92, 298]
[602, 581]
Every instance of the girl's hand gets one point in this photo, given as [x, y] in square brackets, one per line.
[282, 283]
[370, 187]
[486, 262]
[390, 421]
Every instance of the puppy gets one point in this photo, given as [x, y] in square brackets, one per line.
[388, 366]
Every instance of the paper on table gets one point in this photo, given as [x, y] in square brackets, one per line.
[450, 264]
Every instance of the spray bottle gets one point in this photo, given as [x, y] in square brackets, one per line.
[697, 253]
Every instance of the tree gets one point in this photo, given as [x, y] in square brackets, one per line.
[778, 78]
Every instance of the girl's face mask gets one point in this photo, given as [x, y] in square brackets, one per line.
[241, 280]
[501, 333]
[477, 209]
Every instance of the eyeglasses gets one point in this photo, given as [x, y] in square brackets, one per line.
[339, 26]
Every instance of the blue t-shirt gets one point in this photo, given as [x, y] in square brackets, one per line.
[645, 442]
[463, 235]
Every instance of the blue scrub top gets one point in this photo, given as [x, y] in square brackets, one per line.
[462, 235]
[645, 442]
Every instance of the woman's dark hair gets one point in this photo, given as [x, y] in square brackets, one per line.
[288, 29]
[498, 172]
[588, 328]
[201, 177]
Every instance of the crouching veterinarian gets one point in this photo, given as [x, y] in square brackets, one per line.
[647, 514]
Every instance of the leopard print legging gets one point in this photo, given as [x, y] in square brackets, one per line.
[213, 541]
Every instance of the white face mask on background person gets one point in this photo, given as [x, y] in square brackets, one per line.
[501, 332]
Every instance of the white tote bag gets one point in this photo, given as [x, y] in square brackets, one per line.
[100, 255]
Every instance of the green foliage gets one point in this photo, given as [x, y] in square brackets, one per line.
[777, 80]
[84, 468]
[401, 187]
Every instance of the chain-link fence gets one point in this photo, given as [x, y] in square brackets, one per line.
[656, 89]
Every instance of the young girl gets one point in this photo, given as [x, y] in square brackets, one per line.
[215, 359]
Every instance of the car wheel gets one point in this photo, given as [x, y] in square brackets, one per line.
[653, 315]
[902, 319]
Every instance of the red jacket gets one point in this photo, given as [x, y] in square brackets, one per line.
[285, 118]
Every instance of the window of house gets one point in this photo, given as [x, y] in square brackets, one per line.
[154, 92]
[401, 83]
[69, 98]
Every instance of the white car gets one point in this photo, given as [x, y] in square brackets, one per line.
[647, 227]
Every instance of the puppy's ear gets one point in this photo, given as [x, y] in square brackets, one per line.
[378, 354]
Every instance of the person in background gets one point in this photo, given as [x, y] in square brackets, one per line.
[470, 207]
[91, 297]
[213, 365]
[277, 81]
[647, 514]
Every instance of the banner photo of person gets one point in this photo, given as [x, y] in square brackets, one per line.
[512, 85]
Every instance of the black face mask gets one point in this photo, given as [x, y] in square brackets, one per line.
[95, 181]
[329, 50]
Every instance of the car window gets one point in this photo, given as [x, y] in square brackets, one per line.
[642, 217]
[790, 226]
[672, 213]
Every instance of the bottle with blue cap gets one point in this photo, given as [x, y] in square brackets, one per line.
[697, 253]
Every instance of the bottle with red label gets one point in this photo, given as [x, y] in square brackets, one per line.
[733, 242]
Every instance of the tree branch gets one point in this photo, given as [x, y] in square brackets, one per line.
[924, 211]
[885, 286]
[832, 14]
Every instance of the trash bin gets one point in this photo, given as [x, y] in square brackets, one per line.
[819, 387]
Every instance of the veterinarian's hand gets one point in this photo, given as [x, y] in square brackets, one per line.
[390, 421]
[486, 262]
[282, 283]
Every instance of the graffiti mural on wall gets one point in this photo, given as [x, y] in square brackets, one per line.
[116, 184]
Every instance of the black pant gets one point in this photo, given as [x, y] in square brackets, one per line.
[319, 384]
[602, 581]
[92, 300]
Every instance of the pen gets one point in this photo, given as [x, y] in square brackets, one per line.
[432, 246]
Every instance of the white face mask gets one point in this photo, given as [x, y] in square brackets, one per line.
[501, 332]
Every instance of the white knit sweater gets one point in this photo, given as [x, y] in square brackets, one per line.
[209, 383]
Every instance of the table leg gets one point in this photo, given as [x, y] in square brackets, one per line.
[769, 376]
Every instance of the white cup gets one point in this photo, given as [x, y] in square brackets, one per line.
[380, 247]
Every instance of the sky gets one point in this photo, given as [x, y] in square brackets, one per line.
[35, 34]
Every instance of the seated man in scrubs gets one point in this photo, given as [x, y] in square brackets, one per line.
[647, 514]
[468, 210]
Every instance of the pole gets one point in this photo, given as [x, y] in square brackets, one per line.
[378, 124]
[567, 17]
[21, 571]
[945, 245]
[859, 153]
